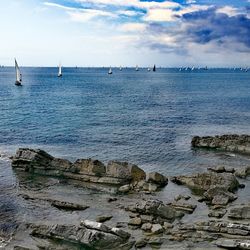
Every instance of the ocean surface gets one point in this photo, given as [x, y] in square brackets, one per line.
[147, 118]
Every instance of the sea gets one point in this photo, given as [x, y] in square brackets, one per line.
[146, 118]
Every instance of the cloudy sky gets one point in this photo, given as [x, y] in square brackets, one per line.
[125, 32]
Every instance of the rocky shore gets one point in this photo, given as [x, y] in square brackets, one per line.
[89, 205]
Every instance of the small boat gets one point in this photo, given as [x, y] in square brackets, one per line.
[120, 68]
[149, 69]
[110, 71]
[18, 75]
[59, 70]
[136, 68]
[154, 68]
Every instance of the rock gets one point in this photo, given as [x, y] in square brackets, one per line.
[240, 213]
[218, 195]
[135, 221]
[218, 169]
[231, 143]
[121, 224]
[155, 242]
[217, 213]
[182, 197]
[124, 188]
[157, 178]
[121, 233]
[168, 212]
[242, 172]
[91, 167]
[227, 243]
[89, 235]
[155, 208]
[146, 218]
[152, 187]
[125, 170]
[156, 229]
[142, 242]
[167, 225]
[67, 205]
[201, 182]
[95, 225]
[146, 226]
[103, 218]
[185, 207]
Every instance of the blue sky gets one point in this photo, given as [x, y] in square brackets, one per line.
[125, 32]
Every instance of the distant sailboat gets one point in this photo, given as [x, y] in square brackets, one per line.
[120, 68]
[18, 75]
[110, 71]
[60, 70]
[136, 68]
[154, 68]
[149, 69]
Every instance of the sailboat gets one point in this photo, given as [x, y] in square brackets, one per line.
[136, 68]
[154, 68]
[149, 69]
[18, 75]
[110, 71]
[120, 68]
[60, 70]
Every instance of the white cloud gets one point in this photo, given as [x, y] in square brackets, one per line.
[134, 3]
[228, 10]
[133, 27]
[86, 15]
[128, 13]
[160, 15]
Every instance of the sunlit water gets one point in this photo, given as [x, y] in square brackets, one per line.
[147, 118]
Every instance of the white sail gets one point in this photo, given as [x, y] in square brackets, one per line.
[18, 74]
[110, 70]
[136, 68]
[60, 70]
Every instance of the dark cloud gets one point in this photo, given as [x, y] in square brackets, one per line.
[210, 25]
[203, 27]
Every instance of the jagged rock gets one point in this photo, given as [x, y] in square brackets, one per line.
[146, 226]
[242, 212]
[67, 205]
[89, 234]
[218, 195]
[156, 229]
[103, 218]
[157, 178]
[90, 167]
[135, 221]
[125, 170]
[201, 182]
[156, 208]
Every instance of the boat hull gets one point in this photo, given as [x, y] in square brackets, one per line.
[18, 83]
[59, 75]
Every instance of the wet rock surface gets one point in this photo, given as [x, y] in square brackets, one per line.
[232, 143]
[205, 212]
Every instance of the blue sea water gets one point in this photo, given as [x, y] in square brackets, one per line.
[147, 118]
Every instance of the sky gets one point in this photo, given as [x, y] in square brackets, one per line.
[125, 32]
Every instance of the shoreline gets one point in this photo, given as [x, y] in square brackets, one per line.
[145, 213]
